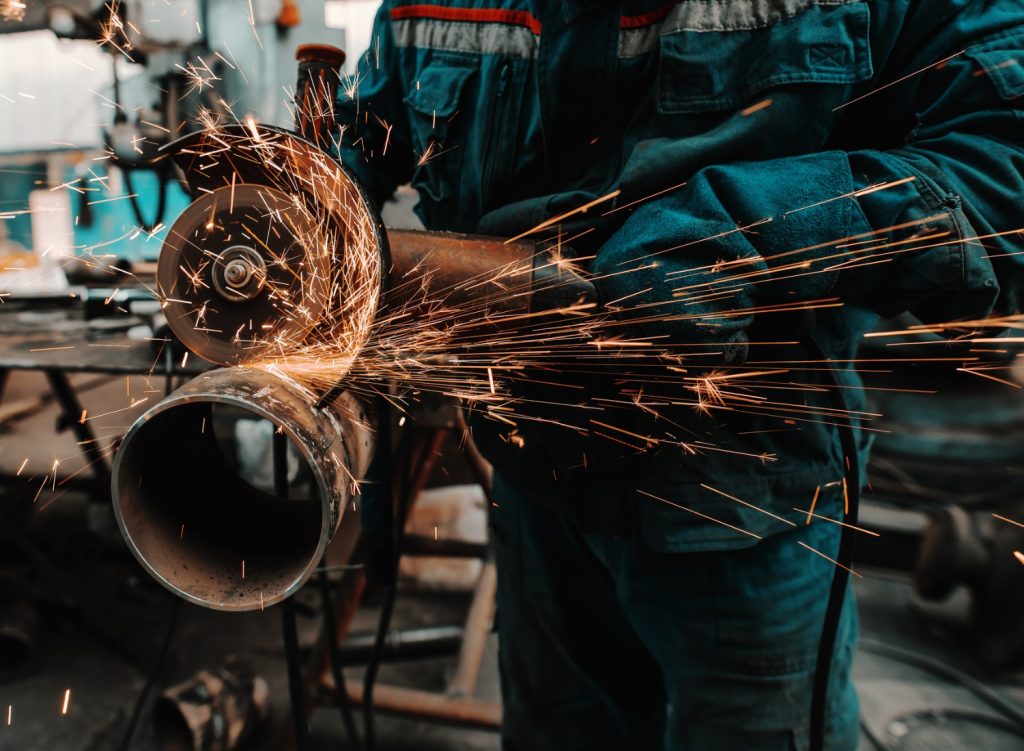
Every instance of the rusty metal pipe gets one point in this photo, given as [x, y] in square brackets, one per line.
[454, 269]
[204, 527]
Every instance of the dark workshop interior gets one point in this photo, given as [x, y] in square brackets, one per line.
[469, 375]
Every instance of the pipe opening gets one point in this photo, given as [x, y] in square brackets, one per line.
[195, 493]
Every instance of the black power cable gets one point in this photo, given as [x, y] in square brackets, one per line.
[154, 676]
[841, 577]
[289, 626]
[164, 178]
[337, 672]
[387, 607]
[296, 691]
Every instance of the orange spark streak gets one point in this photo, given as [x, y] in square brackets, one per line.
[1009, 521]
[938, 64]
[835, 521]
[814, 503]
[556, 219]
[832, 560]
[764, 103]
[698, 513]
[748, 505]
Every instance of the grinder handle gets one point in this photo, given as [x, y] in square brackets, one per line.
[316, 92]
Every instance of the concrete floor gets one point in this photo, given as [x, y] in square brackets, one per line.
[103, 620]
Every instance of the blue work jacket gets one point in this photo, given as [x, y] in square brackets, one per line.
[504, 113]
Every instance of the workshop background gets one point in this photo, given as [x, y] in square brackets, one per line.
[92, 649]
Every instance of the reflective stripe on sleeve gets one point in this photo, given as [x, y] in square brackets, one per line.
[479, 38]
[639, 34]
[496, 31]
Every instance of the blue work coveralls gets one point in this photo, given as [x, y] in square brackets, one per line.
[625, 622]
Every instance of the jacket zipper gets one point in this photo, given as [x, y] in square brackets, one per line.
[496, 122]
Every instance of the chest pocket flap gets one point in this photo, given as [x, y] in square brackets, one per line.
[712, 65]
[433, 100]
[1000, 62]
[437, 90]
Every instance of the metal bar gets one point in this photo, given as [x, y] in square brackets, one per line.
[334, 654]
[168, 350]
[289, 628]
[403, 644]
[426, 705]
[22, 408]
[296, 689]
[420, 545]
[474, 640]
[347, 593]
[280, 450]
[477, 463]
[72, 409]
[424, 455]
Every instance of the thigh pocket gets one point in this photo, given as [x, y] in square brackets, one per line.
[771, 602]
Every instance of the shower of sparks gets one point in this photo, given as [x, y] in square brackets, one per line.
[11, 10]
[478, 341]
[470, 340]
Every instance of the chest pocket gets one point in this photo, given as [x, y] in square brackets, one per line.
[434, 109]
[719, 61]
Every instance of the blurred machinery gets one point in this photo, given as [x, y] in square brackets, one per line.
[946, 483]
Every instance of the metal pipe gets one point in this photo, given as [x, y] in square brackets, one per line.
[403, 644]
[194, 508]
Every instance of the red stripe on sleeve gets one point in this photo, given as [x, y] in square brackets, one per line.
[472, 15]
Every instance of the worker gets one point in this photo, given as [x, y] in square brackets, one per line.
[671, 595]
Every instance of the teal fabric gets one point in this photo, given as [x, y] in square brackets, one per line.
[608, 645]
[498, 135]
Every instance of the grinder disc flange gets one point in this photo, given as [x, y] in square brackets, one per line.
[242, 274]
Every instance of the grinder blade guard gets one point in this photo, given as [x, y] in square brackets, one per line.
[281, 245]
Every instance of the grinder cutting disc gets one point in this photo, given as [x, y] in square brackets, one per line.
[243, 273]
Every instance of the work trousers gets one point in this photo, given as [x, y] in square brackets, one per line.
[607, 644]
